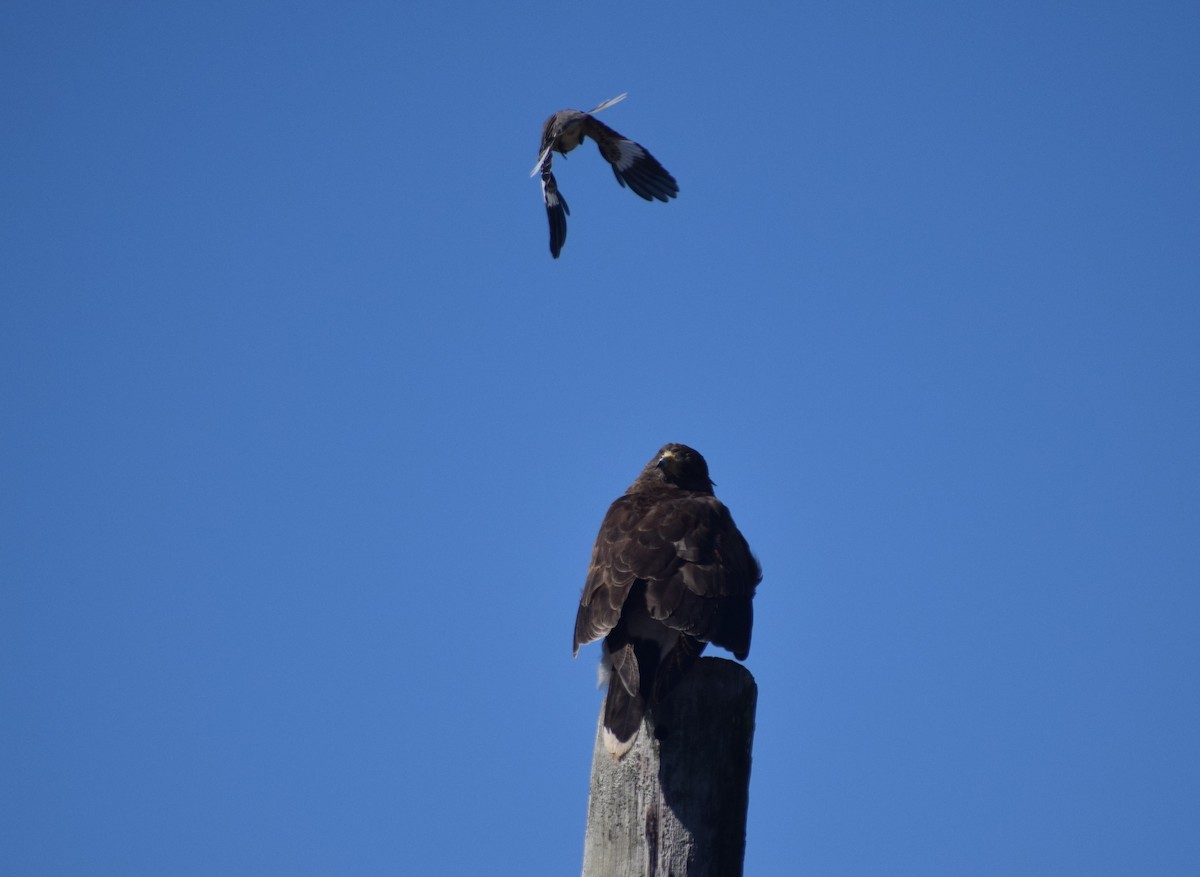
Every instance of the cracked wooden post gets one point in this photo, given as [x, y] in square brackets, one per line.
[676, 807]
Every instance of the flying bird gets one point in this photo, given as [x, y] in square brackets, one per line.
[670, 573]
[632, 165]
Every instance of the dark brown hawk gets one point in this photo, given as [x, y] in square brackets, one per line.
[632, 165]
[670, 573]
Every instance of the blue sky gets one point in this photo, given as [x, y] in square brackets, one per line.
[306, 437]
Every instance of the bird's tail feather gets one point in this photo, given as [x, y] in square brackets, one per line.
[623, 713]
[629, 690]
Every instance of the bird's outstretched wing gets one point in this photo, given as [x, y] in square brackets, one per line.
[608, 103]
[632, 163]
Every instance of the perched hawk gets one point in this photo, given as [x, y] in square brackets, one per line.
[632, 165]
[670, 573]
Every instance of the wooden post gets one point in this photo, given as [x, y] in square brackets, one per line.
[676, 807]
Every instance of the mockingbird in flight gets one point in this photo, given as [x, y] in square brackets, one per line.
[632, 165]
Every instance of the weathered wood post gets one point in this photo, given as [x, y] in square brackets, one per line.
[676, 806]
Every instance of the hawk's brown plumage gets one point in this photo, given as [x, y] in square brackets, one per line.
[670, 573]
[632, 164]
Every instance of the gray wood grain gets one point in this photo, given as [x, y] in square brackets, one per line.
[676, 807]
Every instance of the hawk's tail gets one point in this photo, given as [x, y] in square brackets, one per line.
[623, 713]
[629, 687]
[638, 681]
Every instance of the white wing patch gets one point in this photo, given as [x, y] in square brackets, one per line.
[608, 103]
[628, 153]
[541, 159]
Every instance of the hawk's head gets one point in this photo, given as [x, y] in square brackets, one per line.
[680, 466]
